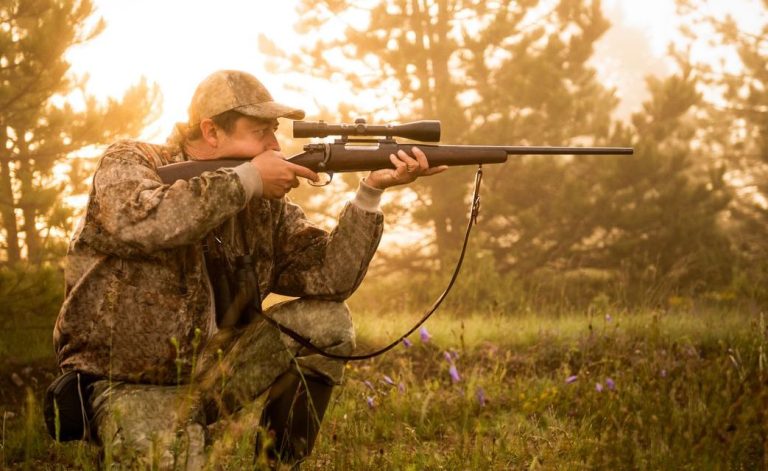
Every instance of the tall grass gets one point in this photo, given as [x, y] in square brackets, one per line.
[585, 390]
[644, 390]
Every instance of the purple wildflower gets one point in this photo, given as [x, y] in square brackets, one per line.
[571, 379]
[401, 387]
[388, 380]
[610, 383]
[369, 384]
[407, 342]
[448, 357]
[480, 395]
[369, 401]
[424, 335]
[598, 387]
[454, 373]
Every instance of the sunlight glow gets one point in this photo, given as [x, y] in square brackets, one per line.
[175, 43]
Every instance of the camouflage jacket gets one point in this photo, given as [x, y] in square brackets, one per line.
[137, 287]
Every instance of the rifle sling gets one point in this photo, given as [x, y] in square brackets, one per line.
[304, 342]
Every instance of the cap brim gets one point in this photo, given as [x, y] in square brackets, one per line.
[270, 110]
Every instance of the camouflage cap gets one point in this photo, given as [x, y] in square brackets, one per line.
[226, 90]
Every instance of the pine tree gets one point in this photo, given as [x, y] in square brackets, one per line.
[645, 225]
[736, 131]
[39, 129]
[510, 72]
[666, 213]
[520, 73]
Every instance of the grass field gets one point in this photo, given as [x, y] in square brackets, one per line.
[607, 390]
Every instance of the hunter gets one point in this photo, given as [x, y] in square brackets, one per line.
[155, 271]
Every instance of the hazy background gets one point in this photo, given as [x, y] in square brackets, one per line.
[682, 82]
[180, 42]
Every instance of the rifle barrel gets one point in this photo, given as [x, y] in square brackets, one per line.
[546, 150]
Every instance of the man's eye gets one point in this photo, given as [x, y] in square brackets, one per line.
[263, 132]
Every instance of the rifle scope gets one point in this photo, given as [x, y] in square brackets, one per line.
[424, 131]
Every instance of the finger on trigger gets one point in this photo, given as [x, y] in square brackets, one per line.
[304, 172]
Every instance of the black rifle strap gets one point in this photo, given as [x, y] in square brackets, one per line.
[474, 209]
[247, 276]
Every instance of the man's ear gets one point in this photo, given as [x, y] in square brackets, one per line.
[209, 131]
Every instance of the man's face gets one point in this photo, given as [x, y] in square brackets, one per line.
[249, 138]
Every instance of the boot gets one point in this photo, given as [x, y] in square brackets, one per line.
[292, 416]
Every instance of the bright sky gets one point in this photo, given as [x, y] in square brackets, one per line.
[175, 43]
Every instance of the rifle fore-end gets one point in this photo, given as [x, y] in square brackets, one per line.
[331, 158]
[359, 158]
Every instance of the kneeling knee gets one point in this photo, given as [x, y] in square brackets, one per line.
[325, 323]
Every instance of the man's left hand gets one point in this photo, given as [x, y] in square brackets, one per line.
[407, 169]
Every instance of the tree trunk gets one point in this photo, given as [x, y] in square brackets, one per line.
[7, 214]
[437, 95]
[28, 206]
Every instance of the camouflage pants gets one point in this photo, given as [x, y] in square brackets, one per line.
[165, 427]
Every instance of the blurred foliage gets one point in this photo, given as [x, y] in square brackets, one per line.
[40, 126]
[506, 73]
[638, 230]
[682, 218]
[29, 295]
[734, 128]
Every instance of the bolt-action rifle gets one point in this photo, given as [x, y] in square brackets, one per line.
[364, 152]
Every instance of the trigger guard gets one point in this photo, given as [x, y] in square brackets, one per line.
[323, 183]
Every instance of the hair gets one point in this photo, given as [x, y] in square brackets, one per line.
[226, 121]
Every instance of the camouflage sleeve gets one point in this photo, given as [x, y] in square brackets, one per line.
[312, 262]
[136, 208]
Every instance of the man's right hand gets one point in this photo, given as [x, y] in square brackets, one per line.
[279, 176]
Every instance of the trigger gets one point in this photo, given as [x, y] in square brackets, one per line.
[325, 179]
